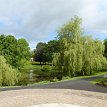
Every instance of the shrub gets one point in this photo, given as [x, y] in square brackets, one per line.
[8, 75]
[58, 75]
[103, 81]
[54, 80]
[66, 78]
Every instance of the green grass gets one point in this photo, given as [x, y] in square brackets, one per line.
[9, 86]
[34, 66]
[101, 81]
[95, 74]
[30, 66]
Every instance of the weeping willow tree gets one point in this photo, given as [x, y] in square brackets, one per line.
[8, 75]
[93, 59]
[78, 54]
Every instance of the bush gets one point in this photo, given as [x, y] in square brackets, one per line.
[8, 75]
[58, 75]
[54, 80]
[66, 78]
[103, 81]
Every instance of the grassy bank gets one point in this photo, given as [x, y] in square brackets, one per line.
[101, 81]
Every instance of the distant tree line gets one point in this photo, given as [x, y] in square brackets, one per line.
[16, 52]
[44, 51]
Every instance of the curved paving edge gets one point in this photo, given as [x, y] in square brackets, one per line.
[29, 97]
[55, 105]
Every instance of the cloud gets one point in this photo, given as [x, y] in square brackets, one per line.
[36, 20]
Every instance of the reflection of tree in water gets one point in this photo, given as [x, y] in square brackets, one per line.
[31, 75]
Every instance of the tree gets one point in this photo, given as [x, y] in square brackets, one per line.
[71, 31]
[1, 44]
[23, 52]
[44, 51]
[10, 50]
[78, 55]
[23, 49]
[41, 54]
[15, 51]
[105, 51]
[53, 47]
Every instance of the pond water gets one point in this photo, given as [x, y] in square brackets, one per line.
[33, 76]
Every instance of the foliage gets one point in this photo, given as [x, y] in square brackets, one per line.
[46, 68]
[105, 51]
[53, 47]
[23, 49]
[54, 80]
[15, 51]
[56, 74]
[101, 81]
[40, 52]
[8, 75]
[79, 55]
[44, 51]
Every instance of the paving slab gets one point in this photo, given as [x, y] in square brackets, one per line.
[37, 97]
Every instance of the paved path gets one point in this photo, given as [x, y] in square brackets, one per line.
[56, 93]
[80, 84]
[30, 97]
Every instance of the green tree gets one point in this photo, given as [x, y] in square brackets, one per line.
[2, 37]
[23, 52]
[15, 51]
[10, 50]
[78, 55]
[23, 49]
[105, 51]
[53, 47]
[41, 54]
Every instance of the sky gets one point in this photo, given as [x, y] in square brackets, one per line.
[39, 20]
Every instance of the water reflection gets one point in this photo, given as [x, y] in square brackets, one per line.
[32, 76]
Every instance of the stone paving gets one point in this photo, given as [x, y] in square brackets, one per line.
[38, 97]
[55, 105]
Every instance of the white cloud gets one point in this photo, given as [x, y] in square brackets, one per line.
[36, 19]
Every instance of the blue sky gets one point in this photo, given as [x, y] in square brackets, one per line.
[38, 20]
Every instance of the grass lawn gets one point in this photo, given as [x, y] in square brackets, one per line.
[101, 81]
[95, 74]
[30, 66]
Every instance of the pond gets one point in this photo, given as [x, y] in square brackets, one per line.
[34, 76]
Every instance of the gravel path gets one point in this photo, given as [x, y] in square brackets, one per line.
[30, 97]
